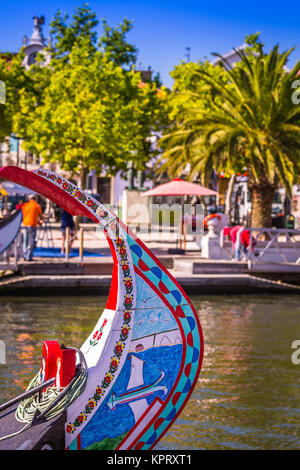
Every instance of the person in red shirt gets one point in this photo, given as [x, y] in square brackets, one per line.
[19, 205]
[32, 218]
[240, 238]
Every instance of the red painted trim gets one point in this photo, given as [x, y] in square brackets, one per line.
[67, 358]
[112, 300]
[140, 420]
[50, 352]
[79, 441]
[47, 189]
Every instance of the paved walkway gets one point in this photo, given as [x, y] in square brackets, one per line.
[95, 241]
[196, 275]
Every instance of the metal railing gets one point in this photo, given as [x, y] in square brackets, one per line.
[277, 245]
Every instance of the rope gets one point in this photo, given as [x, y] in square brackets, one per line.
[41, 401]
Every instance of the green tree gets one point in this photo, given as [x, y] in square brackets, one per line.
[190, 96]
[114, 42]
[81, 110]
[248, 122]
[66, 33]
[15, 77]
[88, 108]
[92, 114]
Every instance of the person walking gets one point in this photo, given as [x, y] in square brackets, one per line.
[32, 218]
[67, 221]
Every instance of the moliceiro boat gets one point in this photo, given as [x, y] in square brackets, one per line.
[133, 375]
[9, 229]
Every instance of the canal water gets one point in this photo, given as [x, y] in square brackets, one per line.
[248, 393]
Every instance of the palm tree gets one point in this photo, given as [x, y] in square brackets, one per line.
[250, 123]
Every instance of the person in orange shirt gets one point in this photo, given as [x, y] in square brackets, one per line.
[32, 218]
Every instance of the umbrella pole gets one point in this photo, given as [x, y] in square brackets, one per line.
[181, 220]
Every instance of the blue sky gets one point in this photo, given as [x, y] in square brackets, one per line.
[164, 29]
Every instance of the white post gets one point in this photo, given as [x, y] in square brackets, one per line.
[67, 241]
[81, 245]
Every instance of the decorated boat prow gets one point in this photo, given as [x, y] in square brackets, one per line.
[133, 375]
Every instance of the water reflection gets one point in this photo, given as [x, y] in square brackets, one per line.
[247, 396]
[27, 322]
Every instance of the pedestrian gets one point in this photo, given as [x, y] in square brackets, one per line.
[32, 218]
[19, 205]
[245, 239]
[239, 244]
[232, 232]
[67, 221]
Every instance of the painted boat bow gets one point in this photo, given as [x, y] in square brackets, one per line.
[147, 315]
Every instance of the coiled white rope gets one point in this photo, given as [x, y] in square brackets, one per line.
[41, 401]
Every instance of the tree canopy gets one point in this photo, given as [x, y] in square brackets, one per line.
[229, 118]
[88, 108]
[15, 78]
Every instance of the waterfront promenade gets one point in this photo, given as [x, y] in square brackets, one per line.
[92, 274]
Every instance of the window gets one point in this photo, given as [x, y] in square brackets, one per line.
[31, 58]
[103, 188]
